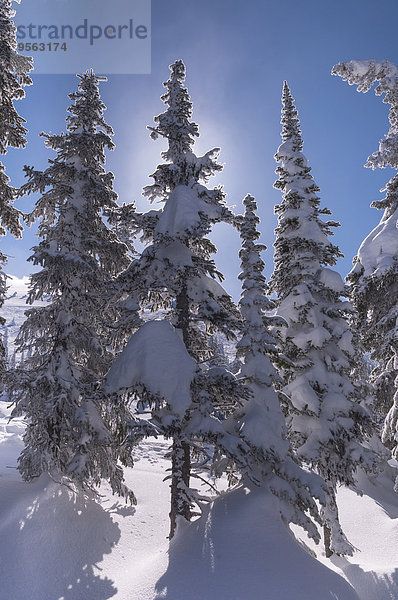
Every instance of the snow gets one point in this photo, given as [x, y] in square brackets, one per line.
[241, 550]
[302, 394]
[176, 253]
[355, 72]
[371, 524]
[361, 67]
[14, 308]
[332, 280]
[315, 336]
[156, 358]
[378, 250]
[58, 546]
[182, 210]
[200, 288]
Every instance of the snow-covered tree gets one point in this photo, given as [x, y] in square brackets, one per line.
[14, 76]
[260, 421]
[218, 358]
[5, 344]
[177, 274]
[326, 423]
[71, 433]
[4, 341]
[12, 361]
[374, 277]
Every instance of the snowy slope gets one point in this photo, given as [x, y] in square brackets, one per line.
[241, 550]
[371, 523]
[55, 546]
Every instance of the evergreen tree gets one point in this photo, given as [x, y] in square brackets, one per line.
[325, 420]
[374, 278]
[71, 433]
[5, 344]
[12, 361]
[260, 421]
[217, 358]
[176, 273]
[4, 341]
[14, 76]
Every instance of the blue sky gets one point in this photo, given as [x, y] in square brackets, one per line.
[237, 55]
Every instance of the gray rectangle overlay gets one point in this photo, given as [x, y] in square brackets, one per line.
[71, 36]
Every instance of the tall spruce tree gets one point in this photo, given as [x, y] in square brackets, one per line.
[218, 357]
[14, 76]
[71, 434]
[325, 420]
[374, 278]
[5, 344]
[260, 421]
[176, 273]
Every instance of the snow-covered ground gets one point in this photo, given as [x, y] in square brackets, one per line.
[56, 546]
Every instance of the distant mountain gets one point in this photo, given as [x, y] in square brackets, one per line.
[14, 308]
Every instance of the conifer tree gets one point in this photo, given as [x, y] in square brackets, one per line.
[176, 273]
[218, 358]
[260, 421]
[5, 344]
[374, 277]
[13, 360]
[14, 76]
[325, 420]
[4, 341]
[71, 433]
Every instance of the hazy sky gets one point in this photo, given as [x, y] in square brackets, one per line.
[237, 55]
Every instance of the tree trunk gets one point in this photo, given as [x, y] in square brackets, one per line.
[330, 517]
[180, 470]
[181, 456]
[327, 539]
[182, 310]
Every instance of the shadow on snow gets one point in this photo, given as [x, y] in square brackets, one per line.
[52, 542]
[239, 550]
